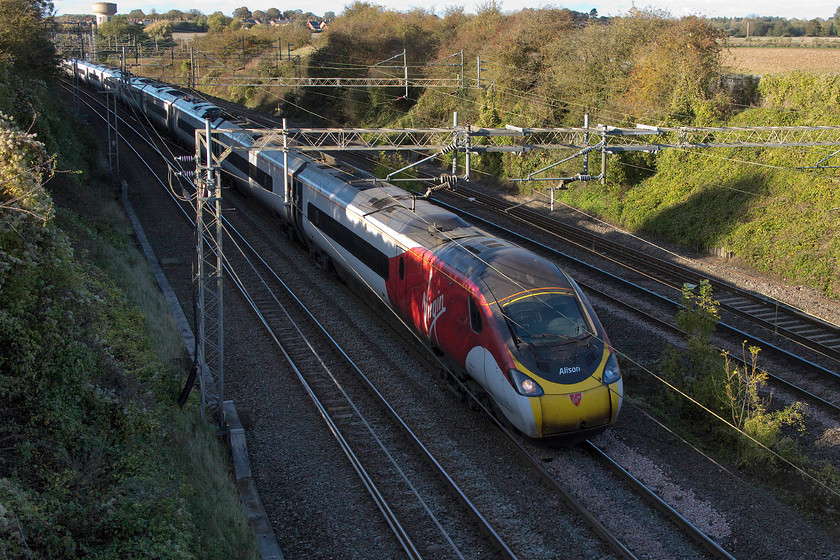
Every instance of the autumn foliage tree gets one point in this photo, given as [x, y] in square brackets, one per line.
[25, 45]
[673, 67]
[367, 41]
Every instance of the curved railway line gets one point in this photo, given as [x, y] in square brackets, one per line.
[429, 513]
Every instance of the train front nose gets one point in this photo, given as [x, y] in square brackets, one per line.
[593, 406]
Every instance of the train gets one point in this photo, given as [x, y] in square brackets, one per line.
[518, 329]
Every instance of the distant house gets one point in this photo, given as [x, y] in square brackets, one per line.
[316, 26]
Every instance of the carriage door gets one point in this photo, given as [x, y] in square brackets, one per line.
[294, 198]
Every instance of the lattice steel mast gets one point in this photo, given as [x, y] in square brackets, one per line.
[209, 306]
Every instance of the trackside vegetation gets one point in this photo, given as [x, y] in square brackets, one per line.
[96, 459]
[756, 203]
[723, 406]
[735, 392]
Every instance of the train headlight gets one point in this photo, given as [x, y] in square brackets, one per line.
[524, 385]
[611, 371]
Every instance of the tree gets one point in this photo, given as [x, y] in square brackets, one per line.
[489, 7]
[218, 21]
[159, 30]
[25, 43]
[673, 64]
[813, 28]
[781, 28]
[242, 13]
[137, 14]
[329, 16]
[119, 26]
[273, 13]
[258, 15]
[24, 164]
[759, 28]
[174, 15]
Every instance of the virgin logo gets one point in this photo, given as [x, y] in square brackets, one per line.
[575, 398]
[432, 309]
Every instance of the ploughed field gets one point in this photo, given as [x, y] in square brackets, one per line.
[760, 60]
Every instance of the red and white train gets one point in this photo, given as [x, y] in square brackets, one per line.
[517, 327]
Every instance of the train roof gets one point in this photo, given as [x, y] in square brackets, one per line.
[404, 214]
[503, 267]
[200, 108]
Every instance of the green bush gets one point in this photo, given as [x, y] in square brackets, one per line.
[734, 393]
[93, 464]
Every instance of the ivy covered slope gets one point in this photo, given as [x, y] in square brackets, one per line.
[756, 203]
[96, 460]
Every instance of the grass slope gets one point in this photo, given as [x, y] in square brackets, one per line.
[755, 202]
[97, 460]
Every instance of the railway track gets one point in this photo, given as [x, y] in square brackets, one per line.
[701, 545]
[372, 437]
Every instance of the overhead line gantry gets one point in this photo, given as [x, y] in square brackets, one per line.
[469, 140]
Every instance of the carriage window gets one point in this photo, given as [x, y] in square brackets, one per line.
[475, 315]
[402, 268]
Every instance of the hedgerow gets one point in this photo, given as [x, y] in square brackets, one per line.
[88, 427]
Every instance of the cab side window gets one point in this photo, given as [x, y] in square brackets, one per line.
[475, 316]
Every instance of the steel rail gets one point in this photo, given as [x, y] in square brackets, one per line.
[412, 437]
[676, 517]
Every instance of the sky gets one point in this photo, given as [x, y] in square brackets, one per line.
[709, 8]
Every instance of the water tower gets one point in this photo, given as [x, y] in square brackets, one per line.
[104, 11]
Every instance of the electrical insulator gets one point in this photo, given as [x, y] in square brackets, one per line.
[185, 159]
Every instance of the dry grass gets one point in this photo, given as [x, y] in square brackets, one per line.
[777, 60]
